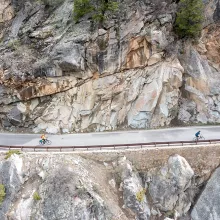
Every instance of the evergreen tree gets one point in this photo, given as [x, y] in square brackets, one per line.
[81, 8]
[102, 8]
[97, 8]
[189, 18]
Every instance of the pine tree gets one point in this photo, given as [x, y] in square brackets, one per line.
[189, 18]
[99, 9]
[81, 8]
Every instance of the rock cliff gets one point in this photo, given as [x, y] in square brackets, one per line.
[70, 187]
[61, 76]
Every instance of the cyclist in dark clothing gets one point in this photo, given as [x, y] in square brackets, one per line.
[197, 135]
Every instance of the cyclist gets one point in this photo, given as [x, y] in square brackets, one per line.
[43, 138]
[197, 135]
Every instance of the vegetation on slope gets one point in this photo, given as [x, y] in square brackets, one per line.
[10, 152]
[189, 18]
[2, 193]
[99, 9]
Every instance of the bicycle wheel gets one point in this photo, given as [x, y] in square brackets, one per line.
[194, 139]
[48, 142]
[202, 138]
[41, 142]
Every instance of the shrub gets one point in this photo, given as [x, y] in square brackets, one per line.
[2, 193]
[170, 214]
[10, 152]
[189, 18]
[14, 44]
[99, 9]
[102, 8]
[36, 196]
[81, 8]
[140, 195]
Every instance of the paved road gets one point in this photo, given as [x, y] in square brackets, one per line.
[123, 137]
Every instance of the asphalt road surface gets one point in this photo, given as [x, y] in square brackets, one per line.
[105, 138]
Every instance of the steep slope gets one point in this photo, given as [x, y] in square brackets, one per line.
[61, 76]
[70, 187]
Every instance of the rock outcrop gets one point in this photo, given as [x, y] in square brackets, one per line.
[131, 185]
[11, 178]
[207, 205]
[169, 187]
[130, 73]
[61, 186]
[63, 183]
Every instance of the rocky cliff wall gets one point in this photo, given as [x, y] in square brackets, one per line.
[71, 186]
[61, 76]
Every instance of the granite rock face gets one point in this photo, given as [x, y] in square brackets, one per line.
[131, 185]
[169, 186]
[72, 187]
[65, 192]
[12, 179]
[207, 205]
[129, 73]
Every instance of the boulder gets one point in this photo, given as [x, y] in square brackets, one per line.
[11, 177]
[169, 186]
[208, 203]
[15, 116]
[132, 186]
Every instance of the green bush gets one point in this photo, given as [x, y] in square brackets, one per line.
[170, 214]
[10, 152]
[140, 195]
[189, 18]
[14, 44]
[36, 196]
[2, 193]
[99, 9]
[81, 8]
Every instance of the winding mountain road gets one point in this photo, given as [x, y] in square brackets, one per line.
[108, 138]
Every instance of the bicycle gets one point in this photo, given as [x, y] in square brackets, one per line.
[199, 138]
[46, 141]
